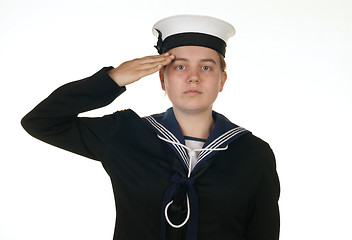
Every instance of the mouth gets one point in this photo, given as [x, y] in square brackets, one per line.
[192, 92]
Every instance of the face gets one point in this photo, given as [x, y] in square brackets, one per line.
[193, 80]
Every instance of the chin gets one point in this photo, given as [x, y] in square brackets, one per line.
[194, 109]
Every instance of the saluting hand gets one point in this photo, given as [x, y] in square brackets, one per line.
[131, 71]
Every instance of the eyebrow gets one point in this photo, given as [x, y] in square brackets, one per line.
[202, 60]
[208, 60]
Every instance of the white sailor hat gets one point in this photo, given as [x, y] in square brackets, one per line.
[192, 30]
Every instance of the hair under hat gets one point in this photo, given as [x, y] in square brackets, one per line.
[192, 30]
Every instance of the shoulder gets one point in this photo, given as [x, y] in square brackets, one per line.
[130, 124]
[256, 142]
[253, 150]
[126, 115]
[252, 142]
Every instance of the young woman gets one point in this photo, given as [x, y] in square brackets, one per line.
[188, 173]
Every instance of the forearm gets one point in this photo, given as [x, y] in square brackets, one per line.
[55, 120]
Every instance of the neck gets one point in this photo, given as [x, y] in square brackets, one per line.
[198, 125]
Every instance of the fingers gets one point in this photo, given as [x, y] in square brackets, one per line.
[131, 71]
[154, 58]
[154, 61]
[147, 71]
[152, 64]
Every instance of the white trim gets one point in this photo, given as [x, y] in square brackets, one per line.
[167, 134]
[194, 23]
[220, 140]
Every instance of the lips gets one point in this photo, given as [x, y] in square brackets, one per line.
[192, 92]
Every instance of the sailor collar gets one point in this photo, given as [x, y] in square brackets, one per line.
[166, 127]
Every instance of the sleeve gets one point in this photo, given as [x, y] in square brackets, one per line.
[55, 120]
[264, 220]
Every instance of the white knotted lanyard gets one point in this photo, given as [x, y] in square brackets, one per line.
[192, 158]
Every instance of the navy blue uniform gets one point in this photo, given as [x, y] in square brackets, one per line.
[233, 190]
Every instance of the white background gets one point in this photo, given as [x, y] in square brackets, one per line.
[289, 82]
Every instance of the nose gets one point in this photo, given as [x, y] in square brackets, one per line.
[193, 80]
[193, 77]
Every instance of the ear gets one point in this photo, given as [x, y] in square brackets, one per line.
[161, 76]
[223, 80]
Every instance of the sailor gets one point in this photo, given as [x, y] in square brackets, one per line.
[188, 173]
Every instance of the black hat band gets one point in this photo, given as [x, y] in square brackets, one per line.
[191, 39]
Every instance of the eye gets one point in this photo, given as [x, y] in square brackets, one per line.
[206, 68]
[181, 67]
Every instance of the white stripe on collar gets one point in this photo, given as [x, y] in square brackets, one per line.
[190, 151]
[166, 126]
[220, 140]
[168, 135]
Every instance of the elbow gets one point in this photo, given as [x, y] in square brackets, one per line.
[27, 124]
[33, 125]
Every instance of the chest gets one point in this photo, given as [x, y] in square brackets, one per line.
[142, 168]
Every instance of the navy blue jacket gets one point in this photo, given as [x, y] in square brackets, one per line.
[233, 191]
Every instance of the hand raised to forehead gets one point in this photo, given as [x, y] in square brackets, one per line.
[133, 70]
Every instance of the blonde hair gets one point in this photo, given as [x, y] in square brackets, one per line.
[222, 62]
